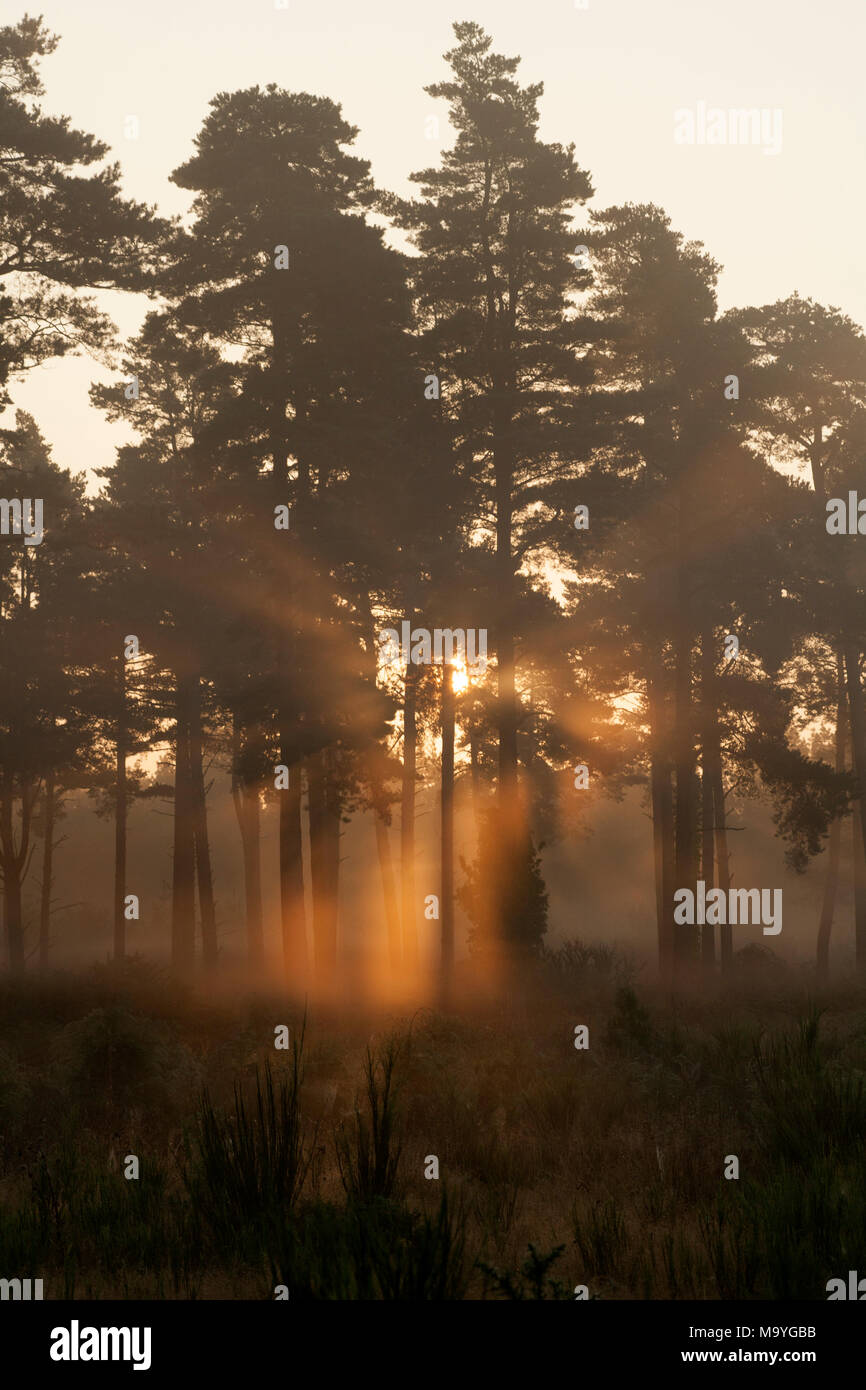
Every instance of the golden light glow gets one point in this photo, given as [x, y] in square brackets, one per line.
[459, 677]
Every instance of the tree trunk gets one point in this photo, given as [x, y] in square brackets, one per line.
[204, 872]
[505, 658]
[120, 814]
[446, 906]
[709, 745]
[856, 704]
[286, 578]
[324, 864]
[713, 797]
[14, 918]
[245, 799]
[292, 909]
[474, 755]
[831, 881]
[253, 872]
[11, 883]
[407, 823]
[333, 836]
[662, 815]
[379, 802]
[708, 940]
[857, 716]
[506, 889]
[316, 813]
[389, 892]
[183, 865]
[685, 935]
[15, 862]
[47, 873]
[856, 720]
[723, 862]
[859, 882]
[333, 839]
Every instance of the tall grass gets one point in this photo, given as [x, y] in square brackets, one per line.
[607, 1167]
[368, 1156]
[250, 1166]
[377, 1250]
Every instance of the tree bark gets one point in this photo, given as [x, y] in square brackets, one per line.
[474, 755]
[661, 790]
[708, 937]
[15, 862]
[284, 623]
[446, 906]
[858, 845]
[292, 909]
[120, 815]
[505, 656]
[324, 865]
[831, 881]
[723, 863]
[658, 627]
[253, 872]
[407, 822]
[389, 892]
[379, 802]
[14, 919]
[859, 882]
[333, 835]
[685, 813]
[316, 813]
[245, 799]
[204, 871]
[511, 822]
[857, 717]
[183, 865]
[47, 873]
[709, 750]
[11, 884]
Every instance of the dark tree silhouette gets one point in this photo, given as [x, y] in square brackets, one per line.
[61, 231]
[492, 285]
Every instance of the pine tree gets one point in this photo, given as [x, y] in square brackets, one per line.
[45, 728]
[280, 256]
[164, 499]
[61, 230]
[492, 285]
[807, 402]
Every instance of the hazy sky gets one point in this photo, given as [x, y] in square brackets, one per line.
[614, 75]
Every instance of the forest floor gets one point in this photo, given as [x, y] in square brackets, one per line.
[710, 1149]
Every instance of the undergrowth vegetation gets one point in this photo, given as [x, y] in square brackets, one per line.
[559, 1168]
